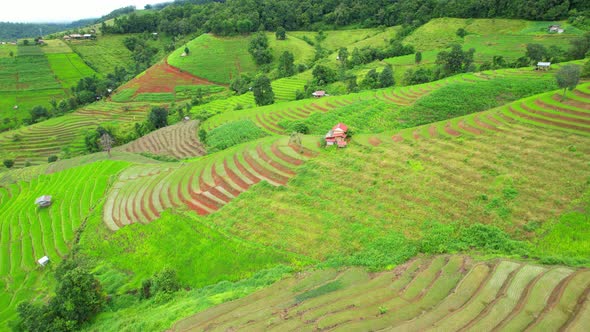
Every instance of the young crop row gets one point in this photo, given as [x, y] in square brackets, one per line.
[548, 110]
[141, 193]
[36, 142]
[178, 141]
[443, 293]
[29, 233]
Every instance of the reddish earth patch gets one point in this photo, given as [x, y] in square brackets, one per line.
[561, 109]
[220, 181]
[302, 150]
[273, 163]
[234, 177]
[323, 109]
[432, 131]
[555, 116]
[575, 103]
[280, 154]
[468, 128]
[549, 122]
[245, 171]
[483, 124]
[162, 77]
[451, 131]
[397, 138]
[581, 94]
[374, 141]
[280, 179]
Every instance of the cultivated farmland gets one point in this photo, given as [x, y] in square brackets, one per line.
[178, 141]
[442, 293]
[29, 233]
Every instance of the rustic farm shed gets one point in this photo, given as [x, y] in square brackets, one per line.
[543, 65]
[43, 201]
[43, 260]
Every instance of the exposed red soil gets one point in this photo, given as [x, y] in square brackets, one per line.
[416, 135]
[280, 154]
[200, 210]
[303, 150]
[554, 116]
[323, 109]
[549, 122]
[220, 181]
[575, 103]
[374, 141]
[205, 201]
[234, 177]
[581, 94]
[280, 179]
[468, 128]
[540, 103]
[266, 126]
[397, 138]
[483, 124]
[450, 130]
[245, 171]
[272, 162]
[432, 131]
[163, 77]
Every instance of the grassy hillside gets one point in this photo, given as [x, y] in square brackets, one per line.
[442, 293]
[219, 59]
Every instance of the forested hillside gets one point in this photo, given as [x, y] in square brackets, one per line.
[13, 31]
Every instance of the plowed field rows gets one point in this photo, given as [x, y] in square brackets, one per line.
[29, 233]
[443, 293]
[178, 141]
[141, 193]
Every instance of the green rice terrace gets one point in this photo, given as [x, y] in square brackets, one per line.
[460, 202]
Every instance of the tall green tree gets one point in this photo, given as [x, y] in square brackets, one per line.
[371, 80]
[323, 75]
[343, 57]
[263, 94]
[568, 77]
[259, 50]
[281, 33]
[158, 117]
[418, 57]
[386, 77]
[536, 52]
[286, 64]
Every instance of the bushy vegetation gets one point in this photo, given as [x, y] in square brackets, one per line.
[231, 134]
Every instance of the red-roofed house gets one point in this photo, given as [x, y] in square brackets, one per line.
[319, 93]
[337, 135]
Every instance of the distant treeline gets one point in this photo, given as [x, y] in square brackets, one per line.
[12, 31]
[242, 16]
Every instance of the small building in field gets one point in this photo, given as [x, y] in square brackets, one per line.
[43, 260]
[43, 201]
[319, 93]
[75, 36]
[87, 36]
[555, 28]
[337, 136]
[543, 65]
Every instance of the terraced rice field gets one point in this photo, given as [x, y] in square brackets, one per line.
[29, 233]
[160, 78]
[178, 141]
[36, 142]
[142, 192]
[546, 110]
[269, 117]
[442, 293]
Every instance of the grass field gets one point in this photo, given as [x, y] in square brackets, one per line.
[442, 293]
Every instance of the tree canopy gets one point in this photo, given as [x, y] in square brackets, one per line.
[263, 94]
[568, 77]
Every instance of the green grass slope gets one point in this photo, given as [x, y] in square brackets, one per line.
[218, 59]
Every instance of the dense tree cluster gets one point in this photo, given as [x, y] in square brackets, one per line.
[78, 298]
[239, 16]
[13, 31]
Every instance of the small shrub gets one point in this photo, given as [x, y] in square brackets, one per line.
[382, 310]
[52, 158]
[8, 163]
